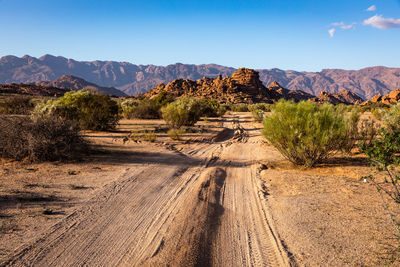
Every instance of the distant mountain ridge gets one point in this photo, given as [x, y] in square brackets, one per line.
[135, 79]
[71, 82]
[31, 89]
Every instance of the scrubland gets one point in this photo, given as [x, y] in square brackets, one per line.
[194, 182]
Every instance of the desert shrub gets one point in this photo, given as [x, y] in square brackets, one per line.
[349, 140]
[134, 136]
[145, 108]
[149, 136]
[42, 139]
[368, 132]
[182, 112]
[90, 111]
[372, 105]
[142, 109]
[163, 99]
[383, 153]
[239, 108]
[137, 136]
[358, 130]
[127, 107]
[16, 105]
[305, 133]
[260, 106]
[347, 108]
[211, 108]
[258, 115]
[378, 113]
[176, 134]
[391, 118]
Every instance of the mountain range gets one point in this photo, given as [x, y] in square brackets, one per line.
[135, 79]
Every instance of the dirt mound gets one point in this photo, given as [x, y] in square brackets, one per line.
[244, 86]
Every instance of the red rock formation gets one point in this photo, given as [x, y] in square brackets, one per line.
[343, 97]
[244, 86]
[391, 98]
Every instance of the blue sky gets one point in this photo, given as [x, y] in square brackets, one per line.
[286, 34]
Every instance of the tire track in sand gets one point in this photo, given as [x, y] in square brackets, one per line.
[202, 212]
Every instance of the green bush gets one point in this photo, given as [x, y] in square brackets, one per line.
[136, 136]
[142, 109]
[260, 106]
[391, 118]
[359, 130]
[149, 136]
[378, 113]
[211, 108]
[176, 134]
[90, 111]
[258, 115]
[383, 154]
[182, 112]
[347, 108]
[19, 104]
[373, 105]
[239, 108]
[42, 139]
[305, 133]
[368, 131]
[127, 106]
[350, 139]
[187, 111]
[145, 108]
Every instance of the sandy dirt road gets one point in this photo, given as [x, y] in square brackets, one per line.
[201, 206]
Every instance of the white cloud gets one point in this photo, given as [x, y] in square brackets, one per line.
[331, 32]
[371, 8]
[382, 23]
[343, 26]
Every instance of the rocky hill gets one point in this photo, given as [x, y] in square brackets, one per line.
[244, 86]
[75, 83]
[391, 98]
[135, 79]
[297, 95]
[343, 97]
[31, 89]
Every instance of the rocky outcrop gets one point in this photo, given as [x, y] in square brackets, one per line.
[75, 83]
[343, 97]
[392, 98]
[136, 79]
[244, 86]
[281, 92]
[31, 89]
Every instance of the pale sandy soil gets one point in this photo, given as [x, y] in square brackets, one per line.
[203, 201]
